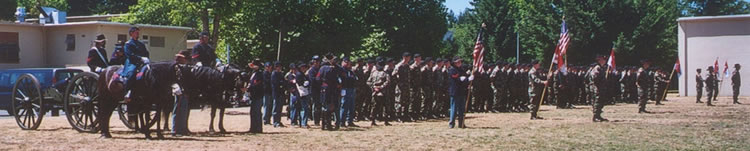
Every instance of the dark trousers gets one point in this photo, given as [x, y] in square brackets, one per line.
[457, 110]
[317, 107]
[330, 100]
[404, 98]
[268, 107]
[256, 122]
[380, 106]
[698, 90]
[736, 93]
[710, 95]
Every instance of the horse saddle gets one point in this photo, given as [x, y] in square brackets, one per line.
[139, 74]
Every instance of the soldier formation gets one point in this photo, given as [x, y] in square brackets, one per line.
[418, 88]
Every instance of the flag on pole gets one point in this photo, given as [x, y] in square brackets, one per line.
[716, 65]
[677, 67]
[478, 52]
[611, 60]
[561, 49]
[726, 66]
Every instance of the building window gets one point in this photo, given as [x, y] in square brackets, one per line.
[157, 41]
[122, 38]
[70, 40]
[9, 48]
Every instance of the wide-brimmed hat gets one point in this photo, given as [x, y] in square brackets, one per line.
[100, 38]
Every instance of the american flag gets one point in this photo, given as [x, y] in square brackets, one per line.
[716, 65]
[478, 53]
[726, 66]
[562, 48]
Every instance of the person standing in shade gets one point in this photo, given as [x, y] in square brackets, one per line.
[736, 84]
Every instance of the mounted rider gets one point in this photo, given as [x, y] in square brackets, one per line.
[204, 53]
[137, 56]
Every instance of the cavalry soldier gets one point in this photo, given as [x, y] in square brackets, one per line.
[698, 85]
[137, 56]
[277, 88]
[118, 56]
[268, 96]
[254, 93]
[378, 81]
[736, 82]
[348, 94]
[401, 76]
[329, 75]
[458, 89]
[536, 86]
[314, 89]
[303, 86]
[291, 87]
[204, 53]
[96, 59]
[644, 83]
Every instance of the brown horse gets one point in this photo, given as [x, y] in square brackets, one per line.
[152, 92]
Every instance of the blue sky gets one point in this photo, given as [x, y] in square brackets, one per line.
[458, 6]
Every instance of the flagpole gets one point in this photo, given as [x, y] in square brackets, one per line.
[667, 88]
[544, 91]
[473, 69]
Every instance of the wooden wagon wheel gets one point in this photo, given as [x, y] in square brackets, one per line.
[80, 102]
[26, 102]
[134, 121]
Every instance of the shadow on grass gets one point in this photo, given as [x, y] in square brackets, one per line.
[166, 138]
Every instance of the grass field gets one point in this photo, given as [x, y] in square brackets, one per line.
[680, 124]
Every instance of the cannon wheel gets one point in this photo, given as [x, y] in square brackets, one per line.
[27, 101]
[81, 102]
[135, 123]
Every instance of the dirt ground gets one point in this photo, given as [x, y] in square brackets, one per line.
[680, 124]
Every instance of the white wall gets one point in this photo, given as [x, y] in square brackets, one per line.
[701, 41]
[29, 38]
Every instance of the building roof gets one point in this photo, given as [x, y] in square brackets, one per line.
[119, 24]
[714, 18]
[96, 23]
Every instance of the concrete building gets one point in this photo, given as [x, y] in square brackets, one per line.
[703, 40]
[24, 45]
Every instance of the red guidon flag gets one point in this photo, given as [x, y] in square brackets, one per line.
[677, 67]
[611, 60]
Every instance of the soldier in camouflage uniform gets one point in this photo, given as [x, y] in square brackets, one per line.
[378, 81]
[416, 87]
[602, 88]
[710, 86]
[644, 83]
[364, 102]
[736, 82]
[536, 86]
[698, 86]
[403, 91]
[661, 85]
[427, 88]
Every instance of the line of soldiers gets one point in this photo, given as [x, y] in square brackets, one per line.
[417, 89]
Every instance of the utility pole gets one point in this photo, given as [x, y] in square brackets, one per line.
[518, 47]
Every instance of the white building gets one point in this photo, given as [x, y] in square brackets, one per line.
[701, 40]
[24, 45]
